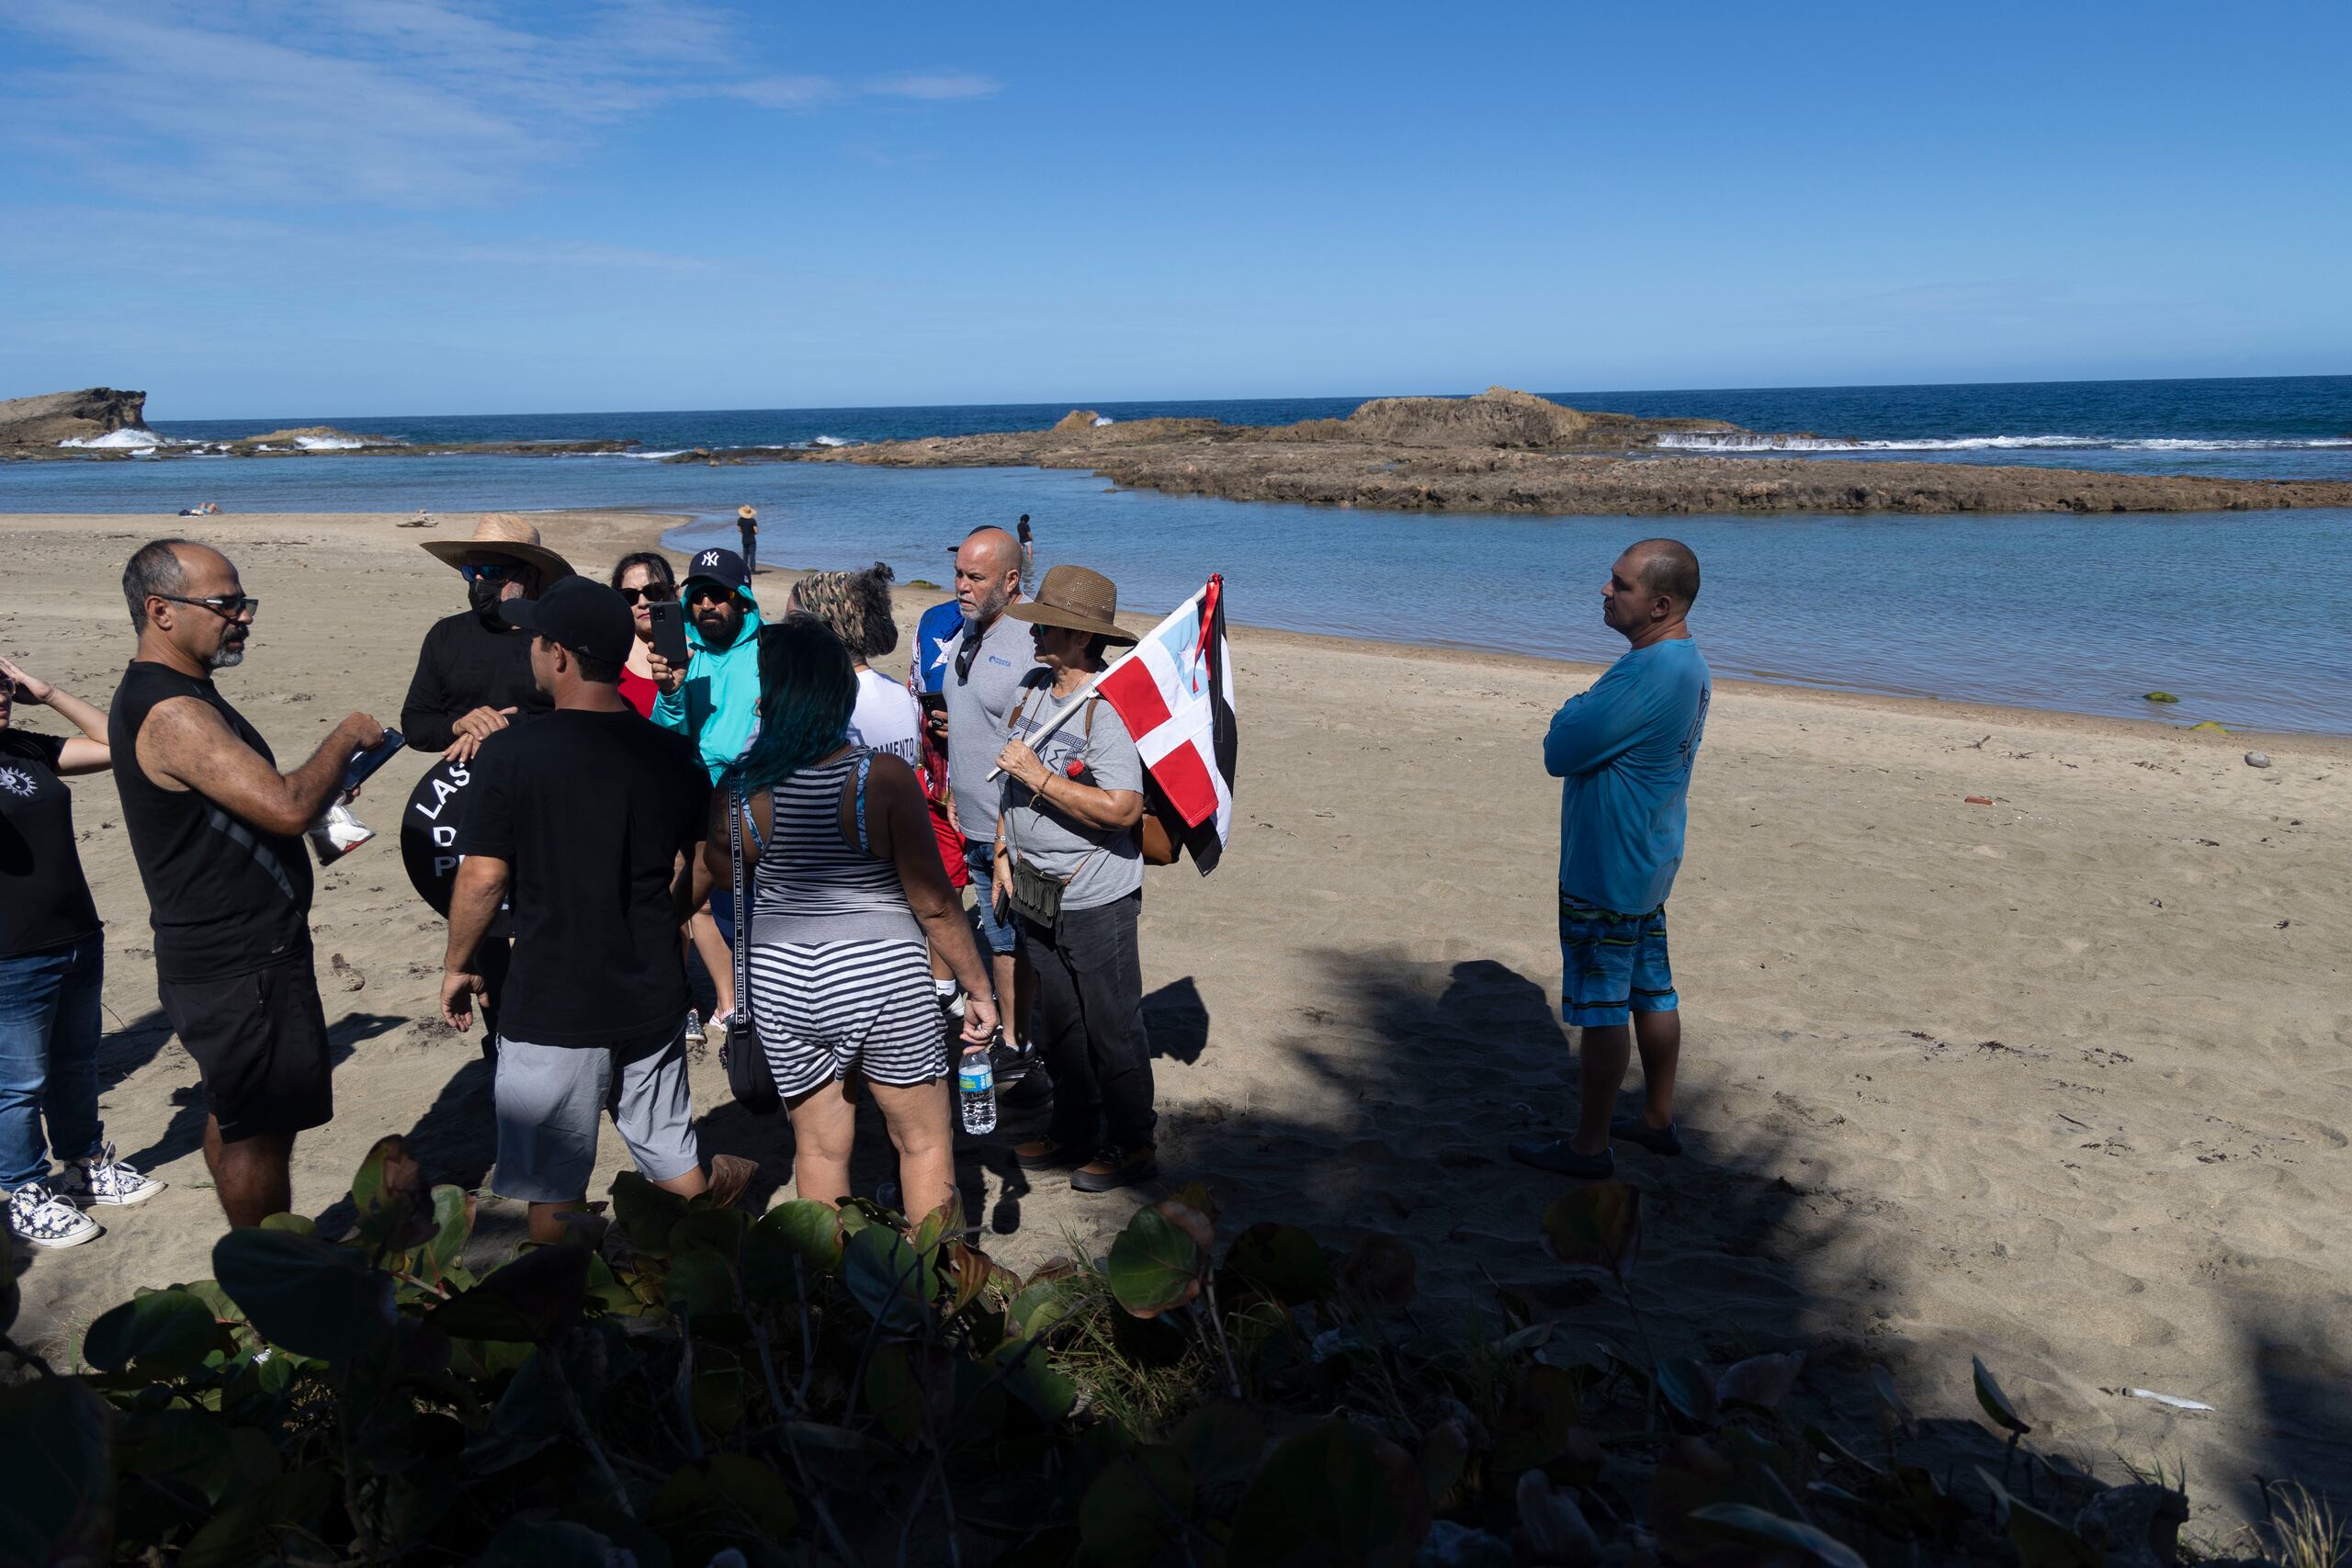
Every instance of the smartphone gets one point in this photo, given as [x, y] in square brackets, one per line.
[670, 633]
[363, 763]
[932, 702]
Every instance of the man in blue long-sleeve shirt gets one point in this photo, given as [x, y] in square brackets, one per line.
[1624, 751]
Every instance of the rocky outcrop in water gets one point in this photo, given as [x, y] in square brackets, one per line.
[52, 417]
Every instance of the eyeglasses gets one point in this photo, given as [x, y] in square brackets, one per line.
[652, 593]
[496, 571]
[228, 606]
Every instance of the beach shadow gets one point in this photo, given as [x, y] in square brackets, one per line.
[2302, 1359]
[133, 1046]
[1176, 1021]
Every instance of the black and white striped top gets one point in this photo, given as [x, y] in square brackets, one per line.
[809, 886]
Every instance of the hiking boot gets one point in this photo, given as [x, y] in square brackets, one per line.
[1045, 1153]
[1114, 1169]
[107, 1180]
[1666, 1140]
[1561, 1160]
[40, 1218]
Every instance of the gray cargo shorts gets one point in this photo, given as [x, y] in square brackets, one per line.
[550, 1098]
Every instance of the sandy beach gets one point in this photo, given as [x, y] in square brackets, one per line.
[2061, 1081]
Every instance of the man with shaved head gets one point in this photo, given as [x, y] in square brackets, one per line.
[985, 666]
[1622, 750]
[217, 831]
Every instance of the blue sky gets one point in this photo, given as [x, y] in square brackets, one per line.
[439, 206]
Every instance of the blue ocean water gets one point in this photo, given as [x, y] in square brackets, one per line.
[2082, 613]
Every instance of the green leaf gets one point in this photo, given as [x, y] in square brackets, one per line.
[1742, 1521]
[453, 1222]
[292, 1224]
[812, 1230]
[2041, 1541]
[1283, 1261]
[701, 1283]
[646, 1212]
[56, 1451]
[1997, 1403]
[1687, 1390]
[299, 1292]
[167, 1333]
[247, 1528]
[727, 1499]
[1136, 1506]
[1891, 1406]
[1222, 1443]
[1034, 1380]
[1533, 1427]
[1596, 1225]
[1037, 1308]
[530, 1414]
[1322, 1497]
[888, 1279]
[1154, 1265]
[535, 1297]
[709, 1230]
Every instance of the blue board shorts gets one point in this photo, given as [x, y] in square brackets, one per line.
[1613, 965]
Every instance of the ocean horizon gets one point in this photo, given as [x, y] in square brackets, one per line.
[2084, 613]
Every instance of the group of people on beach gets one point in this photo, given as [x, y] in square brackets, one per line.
[762, 800]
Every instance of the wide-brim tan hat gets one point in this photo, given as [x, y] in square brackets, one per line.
[1074, 597]
[748, 513]
[503, 534]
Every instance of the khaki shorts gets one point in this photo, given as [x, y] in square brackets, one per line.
[551, 1098]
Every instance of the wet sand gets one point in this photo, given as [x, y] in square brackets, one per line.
[2061, 1080]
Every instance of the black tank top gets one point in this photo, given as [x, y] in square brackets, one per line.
[225, 898]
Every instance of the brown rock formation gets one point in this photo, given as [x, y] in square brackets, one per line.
[52, 417]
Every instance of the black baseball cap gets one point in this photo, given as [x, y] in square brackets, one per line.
[580, 613]
[723, 567]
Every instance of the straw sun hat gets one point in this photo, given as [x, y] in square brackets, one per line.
[1074, 597]
[503, 534]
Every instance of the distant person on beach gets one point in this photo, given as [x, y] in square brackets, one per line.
[473, 672]
[579, 818]
[747, 529]
[845, 893]
[643, 578]
[217, 831]
[991, 656]
[1028, 556]
[1624, 751]
[715, 700]
[1069, 866]
[52, 965]
[856, 607]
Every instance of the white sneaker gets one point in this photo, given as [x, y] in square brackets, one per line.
[107, 1180]
[39, 1218]
[716, 1027]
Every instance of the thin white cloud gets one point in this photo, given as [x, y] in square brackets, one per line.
[935, 85]
[403, 103]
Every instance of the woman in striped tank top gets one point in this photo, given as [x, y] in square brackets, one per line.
[846, 889]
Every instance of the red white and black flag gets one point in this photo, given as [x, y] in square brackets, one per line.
[1175, 692]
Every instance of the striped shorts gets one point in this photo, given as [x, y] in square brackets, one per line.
[1615, 965]
[825, 1009]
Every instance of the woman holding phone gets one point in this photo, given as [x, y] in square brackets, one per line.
[52, 963]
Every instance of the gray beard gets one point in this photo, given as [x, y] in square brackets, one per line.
[225, 659]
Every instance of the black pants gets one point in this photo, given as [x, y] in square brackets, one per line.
[750, 552]
[493, 955]
[1089, 1025]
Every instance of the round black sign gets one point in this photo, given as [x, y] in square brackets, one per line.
[429, 835]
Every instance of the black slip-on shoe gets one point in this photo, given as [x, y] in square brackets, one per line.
[1666, 1140]
[1561, 1160]
[1116, 1169]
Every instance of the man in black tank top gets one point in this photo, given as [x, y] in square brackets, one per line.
[217, 831]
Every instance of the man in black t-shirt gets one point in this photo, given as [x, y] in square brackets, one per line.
[747, 528]
[578, 818]
[217, 831]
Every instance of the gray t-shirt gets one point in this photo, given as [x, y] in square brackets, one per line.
[977, 704]
[1106, 862]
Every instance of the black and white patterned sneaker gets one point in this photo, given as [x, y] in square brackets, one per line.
[107, 1180]
[39, 1218]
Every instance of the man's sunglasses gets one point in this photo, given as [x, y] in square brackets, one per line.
[652, 593]
[965, 652]
[711, 593]
[496, 572]
[228, 606]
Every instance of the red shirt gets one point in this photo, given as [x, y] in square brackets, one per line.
[640, 690]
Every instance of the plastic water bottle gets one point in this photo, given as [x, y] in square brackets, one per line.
[976, 1089]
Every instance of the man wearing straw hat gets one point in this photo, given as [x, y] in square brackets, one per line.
[747, 528]
[473, 672]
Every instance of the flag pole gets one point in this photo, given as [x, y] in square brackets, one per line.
[1063, 715]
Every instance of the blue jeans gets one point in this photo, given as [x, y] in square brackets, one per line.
[1001, 938]
[48, 1057]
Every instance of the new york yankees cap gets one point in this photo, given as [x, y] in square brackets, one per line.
[723, 567]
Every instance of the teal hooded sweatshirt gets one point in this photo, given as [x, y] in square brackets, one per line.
[718, 707]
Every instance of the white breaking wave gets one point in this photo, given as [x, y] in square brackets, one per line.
[1103, 418]
[128, 439]
[653, 457]
[1690, 442]
[831, 441]
[328, 443]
